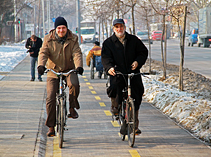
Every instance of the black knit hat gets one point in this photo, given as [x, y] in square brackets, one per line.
[60, 21]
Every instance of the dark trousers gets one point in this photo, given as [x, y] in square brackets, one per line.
[118, 83]
[52, 89]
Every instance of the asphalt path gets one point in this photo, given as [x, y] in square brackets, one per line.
[23, 133]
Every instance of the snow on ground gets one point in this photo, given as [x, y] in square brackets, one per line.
[192, 113]
[11, 55]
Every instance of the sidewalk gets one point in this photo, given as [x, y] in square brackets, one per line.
[23, 133]
[21, 107]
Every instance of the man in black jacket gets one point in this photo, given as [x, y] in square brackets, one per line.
[125, 53]
[34, 44]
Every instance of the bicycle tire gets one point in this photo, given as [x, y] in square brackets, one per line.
[130, 122]
[62, 116]
[92, 73]
[122, 120]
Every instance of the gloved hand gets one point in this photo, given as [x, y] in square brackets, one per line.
[41, 69]
[80, 70]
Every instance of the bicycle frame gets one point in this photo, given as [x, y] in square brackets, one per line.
[61, 110]
[126, 115]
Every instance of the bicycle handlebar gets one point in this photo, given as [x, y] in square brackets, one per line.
[132, 74]
[60, 73]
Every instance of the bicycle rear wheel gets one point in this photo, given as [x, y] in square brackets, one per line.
[92, 71]
[131, 122]
[62, 121]
[122, 121]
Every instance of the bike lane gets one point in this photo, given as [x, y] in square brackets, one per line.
[94, 133]
[23, 133]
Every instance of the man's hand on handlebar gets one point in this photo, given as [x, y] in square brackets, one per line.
[80, 70]
[111, 71]
[41, 69]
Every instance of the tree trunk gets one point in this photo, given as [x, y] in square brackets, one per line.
[162, 57]
[182, 46]
[133, 20]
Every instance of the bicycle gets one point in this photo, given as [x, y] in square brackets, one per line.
[126, 115]
[61, 109]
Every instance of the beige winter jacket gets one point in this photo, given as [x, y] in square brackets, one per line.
[60, 58]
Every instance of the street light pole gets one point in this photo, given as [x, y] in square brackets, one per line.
[43, 14]
[78, 20]
[15, 19]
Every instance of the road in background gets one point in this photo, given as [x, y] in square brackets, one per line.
[196, 59]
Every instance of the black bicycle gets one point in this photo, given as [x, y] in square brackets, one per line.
[126, 115]
[61, 109]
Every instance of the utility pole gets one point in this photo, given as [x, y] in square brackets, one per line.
[49, 15]
[15, 19]
[43, 18]
[78, 20]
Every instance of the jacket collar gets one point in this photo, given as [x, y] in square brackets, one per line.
[115, 39]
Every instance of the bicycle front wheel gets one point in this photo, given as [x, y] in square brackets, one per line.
[131, 122]
[62, 121]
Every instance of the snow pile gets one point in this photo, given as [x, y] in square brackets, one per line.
[194, 114]
[11, 55]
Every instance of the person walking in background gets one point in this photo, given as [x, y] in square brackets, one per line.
[125, 53]
[34, 44]
[95, 53]
[61, 53]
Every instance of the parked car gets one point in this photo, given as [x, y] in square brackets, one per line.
[143, 36]
[193, 37]
[156, 35]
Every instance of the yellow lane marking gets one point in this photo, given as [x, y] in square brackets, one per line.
[134, 153]
[108, 113]
[83, 76]
[93, 92]
[87, 83]
[56, 150]
[97, 98]
[115, 123]
[102, 104]
[85, 79]
[90, 87]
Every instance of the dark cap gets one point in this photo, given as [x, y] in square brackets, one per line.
[60, 21]
[121, 21]
[97, 43]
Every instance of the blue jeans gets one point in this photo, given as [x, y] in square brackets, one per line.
[33, 62]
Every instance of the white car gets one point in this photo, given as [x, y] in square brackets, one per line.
[143, 36]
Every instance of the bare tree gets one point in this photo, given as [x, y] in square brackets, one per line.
[144, 10]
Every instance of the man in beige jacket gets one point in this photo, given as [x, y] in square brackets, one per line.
[61, 52]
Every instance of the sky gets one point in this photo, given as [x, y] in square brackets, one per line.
[184, 107]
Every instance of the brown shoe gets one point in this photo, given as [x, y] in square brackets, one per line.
[114, 110]
[138, 131]
[51, 132]
[73, 114]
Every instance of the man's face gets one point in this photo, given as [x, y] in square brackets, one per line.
[61, 30]
[119, 30]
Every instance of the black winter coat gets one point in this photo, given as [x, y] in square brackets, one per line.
[115, 54]
[35, 46]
